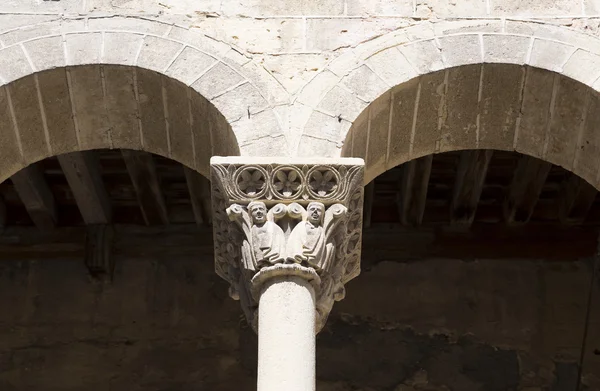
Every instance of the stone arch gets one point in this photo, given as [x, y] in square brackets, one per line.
[189, 96]
[499, 67]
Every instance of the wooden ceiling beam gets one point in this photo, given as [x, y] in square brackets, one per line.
[525, 189]
[199, 188]
[576, 199]
[82, 170]
[413, 190]
[32, 188]
[470, 177]
[142, 172]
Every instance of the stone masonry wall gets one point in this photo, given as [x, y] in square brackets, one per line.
[277, 60]
[166, 322]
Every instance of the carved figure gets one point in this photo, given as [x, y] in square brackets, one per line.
[264, 242]
[312, 241]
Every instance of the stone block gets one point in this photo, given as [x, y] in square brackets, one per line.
[315, 147]
[425, 56]
[566, 122]
[340, 103]
[152, 113]
[459, 121]
[303, 7]
[392, 66]
[399, 136]
[217, 80]
[54, 89]
[294, 71]
[365, 83]
[13, 64]
[379, 132]
[587, 162]
[550, 55]
[28, 115]
[272, 146]
[359, 136]
[124, 7]
[507, 49]
[189, 65]
[223, 140]
[122, 107]
[553, 33]
[500, 105]
[314, 92]
[8, 21]
[244, 100]
[83, 49]
[537, 95]
[10, 155]
[260, 125]
[195, 37]
[258, 35]
[380, 7]
[92, 117]
[157, 53]
[201, 132]
[443, 27]
[432, 109]
[534, 8]
[179, 118]
[46, 53]
[137, 25]
[461, 50]
[272, 90]
[323, 126]
[333, 34]
[591, 7]
[42, 30]
[65, 6]
[121, 48]
[443, 8]
[583, 66]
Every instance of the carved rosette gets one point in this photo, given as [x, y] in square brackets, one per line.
[289, 216]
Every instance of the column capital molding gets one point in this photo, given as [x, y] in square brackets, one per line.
[278, 217]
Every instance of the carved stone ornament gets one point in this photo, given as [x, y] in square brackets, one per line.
[274, 217]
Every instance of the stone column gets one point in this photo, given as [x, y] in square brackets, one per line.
[287, 237]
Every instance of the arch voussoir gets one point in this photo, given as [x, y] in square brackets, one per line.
[129, 83]
[516, 86]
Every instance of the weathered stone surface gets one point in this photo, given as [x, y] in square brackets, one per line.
[550, 55]
[217, 80]
[189, 65]
[566, 121]
[28, 117]
[122, 107]
[121, 48]
[13, 64]
[46, 53]
[83, 49]
[10, 155]
[537, 97]
[56, 100]
[464, 324]
[500, 105]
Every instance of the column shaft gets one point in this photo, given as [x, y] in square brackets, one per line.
[286, 335]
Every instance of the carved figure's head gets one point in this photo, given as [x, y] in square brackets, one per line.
[258, 211]
[315, 210]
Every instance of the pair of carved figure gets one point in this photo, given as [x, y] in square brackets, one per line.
[275, 236]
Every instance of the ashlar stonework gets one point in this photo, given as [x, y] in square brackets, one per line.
[275, 217]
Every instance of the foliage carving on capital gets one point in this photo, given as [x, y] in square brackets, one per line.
[268, 215]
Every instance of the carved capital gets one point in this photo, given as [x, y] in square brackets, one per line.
[279, 217]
